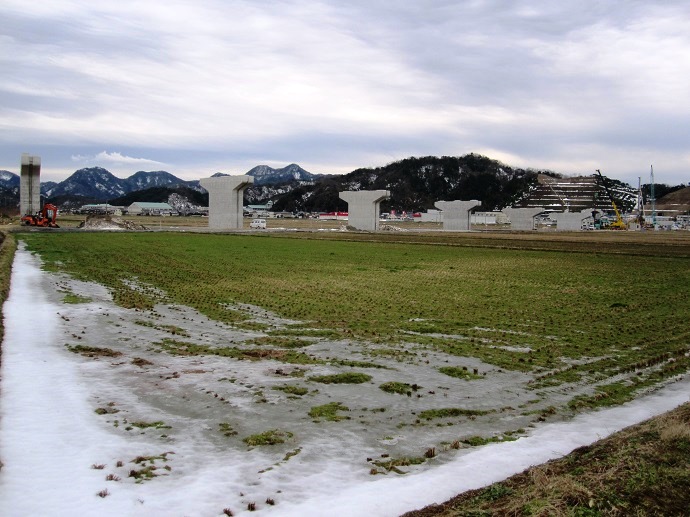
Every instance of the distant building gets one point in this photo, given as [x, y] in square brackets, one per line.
[141, 208]
[436, 216]
[430, 216]
[488, 218]
[101, 208]
[257, 210]
[335, 216]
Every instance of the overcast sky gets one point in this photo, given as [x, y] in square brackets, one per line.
[198, 87]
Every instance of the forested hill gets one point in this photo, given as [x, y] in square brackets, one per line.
[162, 195]
[417, 183]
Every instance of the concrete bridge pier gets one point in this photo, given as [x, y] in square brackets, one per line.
[522, 218]
[30, 185]
[225, 200]
[569, 221]
[363, 207]
[456, 214]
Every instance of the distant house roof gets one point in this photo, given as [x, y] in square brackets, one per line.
[151, 206]
[100, 206]
[267, 206]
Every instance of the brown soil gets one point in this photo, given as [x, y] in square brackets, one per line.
[677, 196]
[106, 222]
[675, 203]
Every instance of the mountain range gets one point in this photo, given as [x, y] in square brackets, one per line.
[96, 184]
[414, 183]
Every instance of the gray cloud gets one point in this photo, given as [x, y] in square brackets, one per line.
[209, 85]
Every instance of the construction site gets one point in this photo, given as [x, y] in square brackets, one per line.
[591, 202]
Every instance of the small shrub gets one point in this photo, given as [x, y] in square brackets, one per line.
[292, 390]
[272, 437]
[392, 464]
[290, 454]
[93, 351]
[329, 412]
[75, 298]
[103, 493]
[451, 412]
[459, 373]
[401, 388]
[147, 472]
[146, 425]
[342, 378]
[106, 410]
[476, 441]
[227, 429]
[495, 492]
[140, 362]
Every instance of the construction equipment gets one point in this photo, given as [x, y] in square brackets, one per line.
[45, 218]
[618, 224]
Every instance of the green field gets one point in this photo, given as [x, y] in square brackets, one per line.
[597, 316]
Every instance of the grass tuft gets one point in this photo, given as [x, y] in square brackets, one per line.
[272, 437]
[329, 412]
[341, 378]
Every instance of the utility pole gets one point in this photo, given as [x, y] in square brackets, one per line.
[651, 196]
[640, 203]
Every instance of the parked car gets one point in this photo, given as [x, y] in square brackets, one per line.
[258, 224]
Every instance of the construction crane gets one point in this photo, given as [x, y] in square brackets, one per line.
[652, 198]
[618, 224]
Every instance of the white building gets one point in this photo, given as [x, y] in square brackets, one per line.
[141, 208]
[436, 216]
[101, 208]
[488, 218]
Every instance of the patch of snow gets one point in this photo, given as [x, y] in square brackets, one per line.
[521, 349]
[502, 331]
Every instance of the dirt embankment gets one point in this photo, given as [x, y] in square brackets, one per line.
[641, 470]
[96, 222]
[8, 246]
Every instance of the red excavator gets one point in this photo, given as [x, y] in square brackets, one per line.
[46, 217]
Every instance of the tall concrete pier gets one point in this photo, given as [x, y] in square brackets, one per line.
[456, 214]
[522, 218]
[364, 207]
[225, 200]
[30, 185]
[570, 221]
